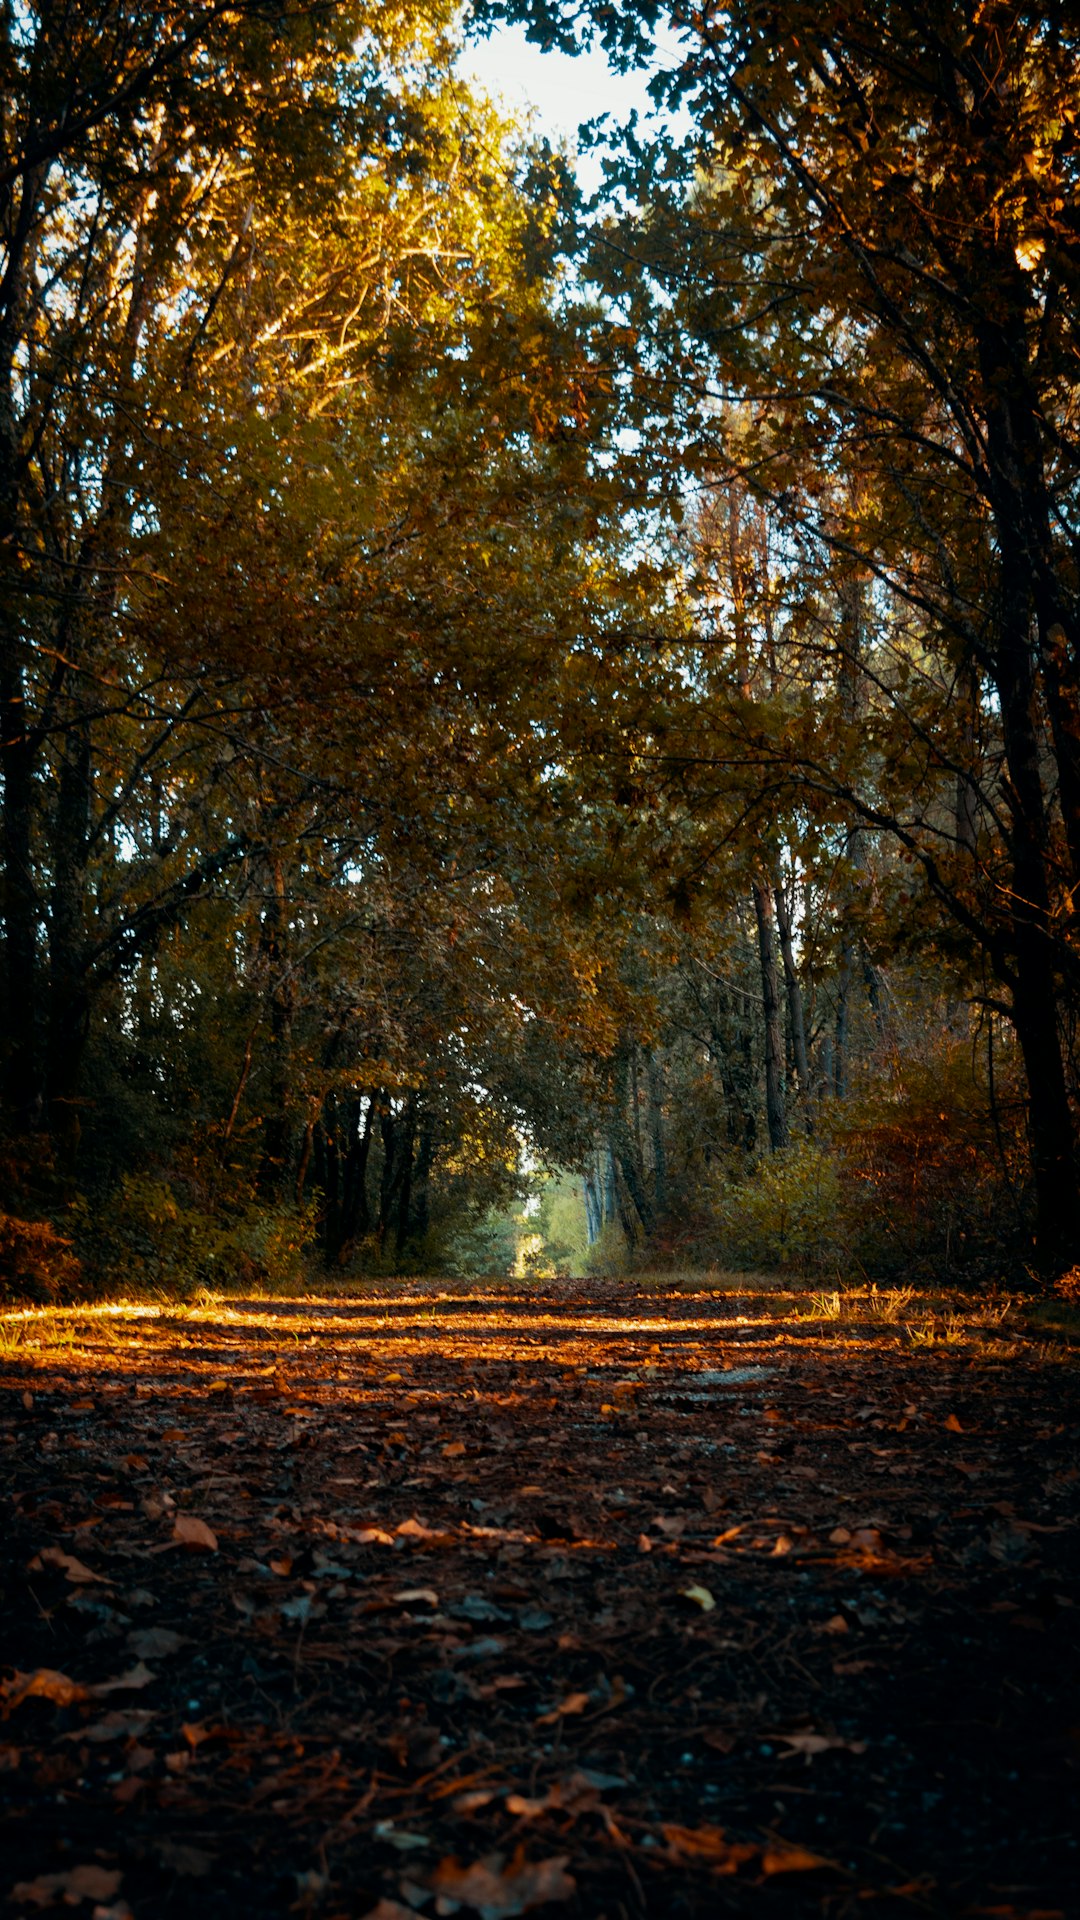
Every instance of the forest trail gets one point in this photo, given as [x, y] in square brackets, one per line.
[589, 1600]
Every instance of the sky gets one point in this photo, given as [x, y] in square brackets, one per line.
[564, 89]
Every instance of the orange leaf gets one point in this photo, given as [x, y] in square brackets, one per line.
[190, 1531]
[791, 1860]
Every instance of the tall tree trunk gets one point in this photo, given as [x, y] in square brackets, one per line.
[656, 1132]
[842, 1025]
[277, 1126]
[775, 1108]
[630, 1180]
[68, 996]
[425, 1160]
[594, 1204]
[406, 1151]
[793, 988]
[21, 1081]
[355, 1206]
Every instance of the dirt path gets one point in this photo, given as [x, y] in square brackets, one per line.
[611, 1607]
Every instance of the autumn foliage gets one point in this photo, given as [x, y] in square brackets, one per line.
[494, 687]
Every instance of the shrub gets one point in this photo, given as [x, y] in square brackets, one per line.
[36, 1262]
[784, 1212]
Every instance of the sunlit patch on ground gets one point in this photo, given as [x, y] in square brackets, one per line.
[623, 1602]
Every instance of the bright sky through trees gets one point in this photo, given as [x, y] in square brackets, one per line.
[563, 89]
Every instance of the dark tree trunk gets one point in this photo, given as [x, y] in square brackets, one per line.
[21, 1076]
[406, 1152]
[630, 1180]
[793, 986]
[425, 1160]
[775, 1109]
[355, 1207]
[656, 1131]
[277, 1126]
[69, 1006]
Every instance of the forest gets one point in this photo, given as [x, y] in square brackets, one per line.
[540, 877]
[504, 684]
[539, 727]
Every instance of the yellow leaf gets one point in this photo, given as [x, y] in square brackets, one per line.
[700, 1596]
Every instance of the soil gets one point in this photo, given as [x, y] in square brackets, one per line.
[600, 1604]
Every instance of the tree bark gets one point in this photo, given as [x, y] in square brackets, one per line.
[793, 987]
[277, 1126]
[21, 1079]
[775, 1107]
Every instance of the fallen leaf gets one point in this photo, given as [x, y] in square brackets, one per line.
[155, 1643]
[782, 1859]
[499, 1892]
[390, 1910]
[810, 1743]
[868, 1539]
[534, 1619]
[415, 1530]
[73, 1569]
[574, 1703]
[190, 1531]
[78, 1883]
[835, 1624]
[130, 1682]
[396, 1837]
[123, 1723]
[711, 1844]
[44, 1684]
[700, 1596]
[426, 1595]
[953, 1424]
[453, 1449]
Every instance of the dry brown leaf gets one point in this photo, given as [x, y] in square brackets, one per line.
[155, 1643]
[78, 1883]
[711, 1844]
[123, 1723]
[574, 1703]
[810, 1743]
[43, 1684]
[952, 1424]
[130, 1682]
[190, 1531]
[73, 1569]
[783, 1859]
[500, 1892]
[390, 1910]
[414, 1529]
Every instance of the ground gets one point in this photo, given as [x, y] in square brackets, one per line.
[600, 1603]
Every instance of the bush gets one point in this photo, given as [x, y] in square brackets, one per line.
[785, 1212]
[36, 1262]
[161, 1234]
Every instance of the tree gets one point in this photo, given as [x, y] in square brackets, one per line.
[872, 242]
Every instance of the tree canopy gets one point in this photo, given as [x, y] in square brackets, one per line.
[491, 682]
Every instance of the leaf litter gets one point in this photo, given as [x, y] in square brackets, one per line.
[605, 1603]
